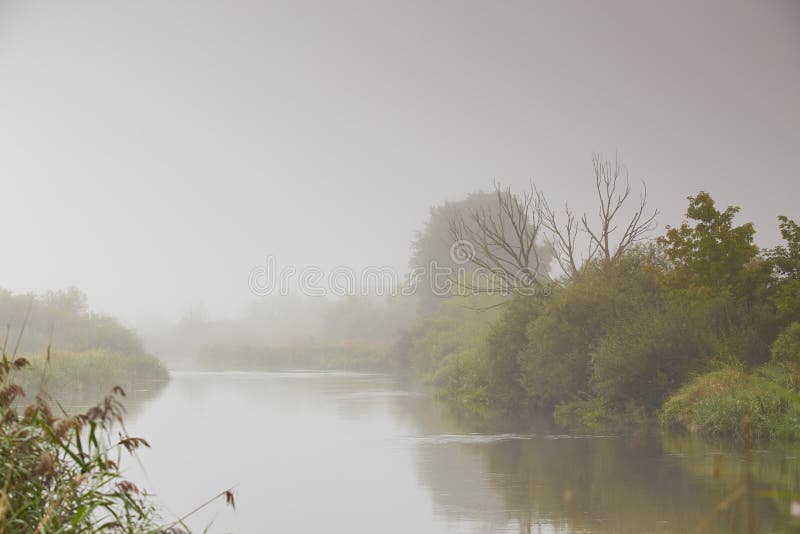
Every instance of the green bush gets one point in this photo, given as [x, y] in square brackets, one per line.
[735, 404]
[459, 324]
[786, 348]
[556, 363]
[644, 359]
[460, 380]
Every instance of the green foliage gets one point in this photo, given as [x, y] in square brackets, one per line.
[785, 260]
[711, 253]
[717, 264]
[503, 372]
[60, 319]
[560, 340]
[592, 414]
[615, 341]
[459, 324]
[734, 404]
[786, 348]
[449, 350]
[461, 380]
[82, 377]
[482, 374]
[62, 474]
[643, 359]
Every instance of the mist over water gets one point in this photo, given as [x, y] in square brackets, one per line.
[400, 267]
[354, 452]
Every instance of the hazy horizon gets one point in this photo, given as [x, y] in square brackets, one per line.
[153, 153]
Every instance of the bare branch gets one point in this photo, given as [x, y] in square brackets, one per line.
[502, 240]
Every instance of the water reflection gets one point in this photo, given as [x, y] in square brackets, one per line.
[345, 452]
[78, 400]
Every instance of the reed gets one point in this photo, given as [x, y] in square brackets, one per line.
[61, 472]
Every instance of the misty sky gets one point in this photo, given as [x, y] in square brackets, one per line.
[153, 152]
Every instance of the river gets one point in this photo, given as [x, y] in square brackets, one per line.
[350, 452]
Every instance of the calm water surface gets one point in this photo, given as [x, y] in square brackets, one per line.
[346, 452]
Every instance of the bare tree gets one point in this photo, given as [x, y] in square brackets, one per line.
[562, 236]
[607, 181]
[503, 241]
[604, 242]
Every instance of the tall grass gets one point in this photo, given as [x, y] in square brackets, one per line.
[84, 377]
[61, 472]
[730, 403]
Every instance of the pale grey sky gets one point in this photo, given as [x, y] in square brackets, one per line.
[153, 152]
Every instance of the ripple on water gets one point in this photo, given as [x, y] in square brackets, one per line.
[577, 436]
[443, 439]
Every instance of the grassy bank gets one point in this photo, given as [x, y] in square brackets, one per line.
[340, 356]
[731, 403]
[762, 403]
[86, 376]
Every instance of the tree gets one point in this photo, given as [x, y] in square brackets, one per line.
[432, 248]
[435, 248]
[711, 252]
[785, 263]
[716, 264]
[505, 240]
[602, 239]
[70, 300]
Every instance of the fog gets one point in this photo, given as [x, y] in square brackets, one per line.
[429, 267]
[153, 153]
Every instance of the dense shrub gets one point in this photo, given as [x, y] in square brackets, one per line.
[556, 361]
[459, 324]
[645, 358]
[502, 371]
[786, 348]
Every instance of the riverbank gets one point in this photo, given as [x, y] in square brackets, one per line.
[698, 329]
[85, 377]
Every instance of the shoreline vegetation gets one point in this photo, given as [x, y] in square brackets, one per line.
[75, 356]
[63, 472]
[62, 435]
[695, 330]
[81, 378]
